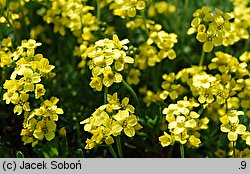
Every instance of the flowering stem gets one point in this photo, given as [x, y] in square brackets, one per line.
[105, 94]
[24, 25]
[202, 58]
[177, 17]
[119, 146]
[144, 21]
[112, 151]
[234, 149]
[247, 45]
[98, 11]
[131, 91]
[182, 151]
[12, 27]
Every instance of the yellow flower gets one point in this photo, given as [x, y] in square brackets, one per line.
[210, 40]
[178, 125]
[45, 129]
[203, 80]
[231, 126]
[128, 122]
[110, 77]
[22, 104]
[246, 137]
[127, 106]
[39, 91]
[49, 109]
[44, 66]
[30, 44]
[127, 7]
[90, 144]
[165, 139]
[194, 141]
[96, 83]
[62, 132]
[206, 96]
[120, 44]
[113, 102]
[133, 76]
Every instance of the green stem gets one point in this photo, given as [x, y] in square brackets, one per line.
[23, 22]
[131, 91]
[182, 151]
[98, 11]
[145, 22]
[177, 17]
[228, 49]
[105, 94]
[202, 58]
[119, 146]
[234, 149]
[247, 44]
[112, 151]
[186, 8]
[12, 27]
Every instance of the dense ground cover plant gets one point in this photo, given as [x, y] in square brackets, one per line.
[124, 78]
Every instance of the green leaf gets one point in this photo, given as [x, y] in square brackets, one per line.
[78, 153]
[19, 154]
[50, 149]
[64, 150]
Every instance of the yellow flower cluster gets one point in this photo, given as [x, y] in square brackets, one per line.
[210, 27]
[158, 47]
[5, 52]
[128, 8]
[170, 87]
[240, 25]
[222, 86]
[160, 7]
[183, 124]
[73, 15]
[13, 15]
[109, 120]
[245, 153]
[133, 76]
[234, 76]
[150, 96]
[108, 58]
[40, 123]
[25, 83]
[76, 16]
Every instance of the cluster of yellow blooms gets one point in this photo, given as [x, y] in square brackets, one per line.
[128, 8]
[76, 16]
[73, 15]
[13, 15]
[108, 58]
[245, 153]
[210, 27]
[5, 52]
[25, 83]
[229, 88]
[110, 120]
[240, 25]
[183, 124]
[160, 7]
[170, 88]
[158, 46]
